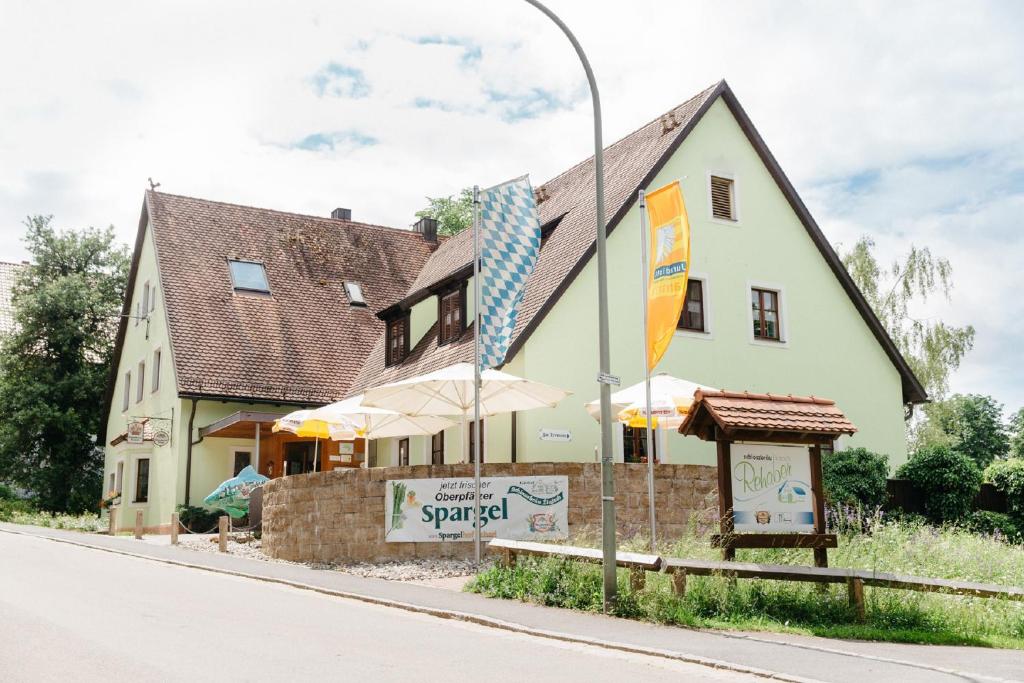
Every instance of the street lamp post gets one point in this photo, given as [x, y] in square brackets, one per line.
[604, 378]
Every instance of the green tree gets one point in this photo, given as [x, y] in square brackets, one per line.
[1017, 434]
[971, 424]
[947, 480]
[53, 367]
[933, 348]
[453, 214]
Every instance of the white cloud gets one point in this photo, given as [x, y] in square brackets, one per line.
[898, 120]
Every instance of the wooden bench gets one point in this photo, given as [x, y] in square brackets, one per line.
[637, 563]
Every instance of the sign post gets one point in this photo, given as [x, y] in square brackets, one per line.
[770, 491]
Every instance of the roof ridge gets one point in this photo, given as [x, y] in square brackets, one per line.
[702, 93]
[287, 213]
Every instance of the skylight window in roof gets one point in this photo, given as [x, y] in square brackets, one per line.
[355, 294]
[248, 276]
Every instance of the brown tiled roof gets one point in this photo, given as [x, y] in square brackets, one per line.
[733, 410]
[8, 275]
[303, 343]
[569, 196]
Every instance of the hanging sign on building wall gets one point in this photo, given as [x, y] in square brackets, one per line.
[136, 432]
[519, 508]
[771, 488]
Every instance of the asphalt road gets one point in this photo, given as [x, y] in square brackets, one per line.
[71, 613]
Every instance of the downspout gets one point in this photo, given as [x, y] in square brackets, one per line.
[188, 458]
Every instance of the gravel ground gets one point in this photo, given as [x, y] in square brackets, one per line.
[406, 570]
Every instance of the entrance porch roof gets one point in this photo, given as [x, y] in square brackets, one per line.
[241, 425]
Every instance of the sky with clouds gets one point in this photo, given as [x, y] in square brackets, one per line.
[903, 121]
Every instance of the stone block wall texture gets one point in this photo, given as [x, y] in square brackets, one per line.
[338, 516]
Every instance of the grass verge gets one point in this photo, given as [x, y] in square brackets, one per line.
[757, 605]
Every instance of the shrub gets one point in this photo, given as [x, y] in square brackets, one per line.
[995, 524]
[855, 476]
[10, 507]
[197, 519]
[947, 480]
[1008, 477]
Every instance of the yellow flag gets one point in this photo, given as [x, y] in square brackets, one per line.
[669, 266]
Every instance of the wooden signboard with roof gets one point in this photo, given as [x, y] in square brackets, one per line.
[769, 467]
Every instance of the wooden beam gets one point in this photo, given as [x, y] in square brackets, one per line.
[725, 519]
[774, 541]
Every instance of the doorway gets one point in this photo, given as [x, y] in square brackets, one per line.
[299, 457]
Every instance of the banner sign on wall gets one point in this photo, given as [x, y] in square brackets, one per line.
[517, 508]
[771, 488]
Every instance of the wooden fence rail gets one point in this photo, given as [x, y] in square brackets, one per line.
[679, 569]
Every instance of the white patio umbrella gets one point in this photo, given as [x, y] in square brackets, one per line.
[350, 418]
[670, 401]
[449, 391]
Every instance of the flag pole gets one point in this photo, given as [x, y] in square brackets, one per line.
[476, 370]
[644, 272]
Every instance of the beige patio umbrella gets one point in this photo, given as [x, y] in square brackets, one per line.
[449, 391]
[349, 418]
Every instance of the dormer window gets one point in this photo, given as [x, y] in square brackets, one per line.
[451, 316]
[249, 276]
[355, 294]
[396, 341]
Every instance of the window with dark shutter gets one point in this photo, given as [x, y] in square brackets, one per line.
[437, 448]
[723, 198]
[450, 317]
[403, 452]
[474, 429]
[692, 317]
[396, 341]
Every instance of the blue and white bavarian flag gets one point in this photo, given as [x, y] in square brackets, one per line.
[509, 243]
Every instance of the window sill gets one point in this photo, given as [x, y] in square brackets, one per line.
[771, 343]
[693, 334]
[725, 221]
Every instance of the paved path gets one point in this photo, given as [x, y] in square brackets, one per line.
[792, 657]
[71, 613]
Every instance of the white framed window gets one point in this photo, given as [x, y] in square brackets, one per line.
[140, 384]
[152, 299]
[157, 358]
[141, 481]
[145, 298]
[354, 292]
[120, 477]
[696, 318]
[767, 314]
[723, 197]
[126, 397]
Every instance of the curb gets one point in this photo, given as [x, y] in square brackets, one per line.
[448, 614]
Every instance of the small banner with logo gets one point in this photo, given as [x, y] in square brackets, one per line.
[669, 267]
[509, 243]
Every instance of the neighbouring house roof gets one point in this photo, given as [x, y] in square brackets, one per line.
[301, 344]
[9, 273]
[630, 164]
[737, 413]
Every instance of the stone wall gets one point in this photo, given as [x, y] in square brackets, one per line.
[338, 516]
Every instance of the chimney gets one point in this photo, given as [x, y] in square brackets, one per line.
[428, 228]
[343, 214]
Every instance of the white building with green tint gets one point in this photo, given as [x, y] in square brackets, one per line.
[248, 316]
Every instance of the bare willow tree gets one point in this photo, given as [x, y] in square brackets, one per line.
[933, 348]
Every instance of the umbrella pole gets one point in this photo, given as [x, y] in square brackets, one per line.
[647, 369]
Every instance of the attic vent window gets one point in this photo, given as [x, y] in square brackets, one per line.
[355, 294]
[248, 276]
[723, 198]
